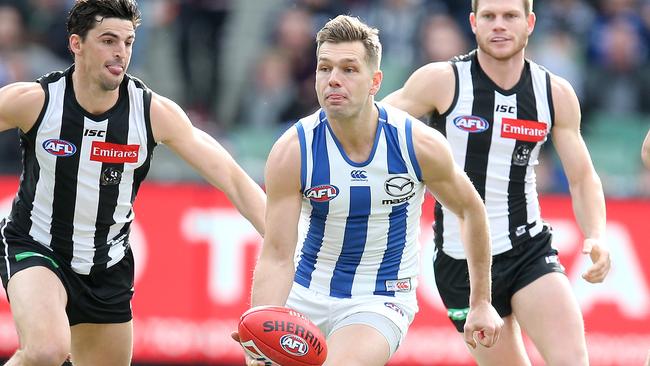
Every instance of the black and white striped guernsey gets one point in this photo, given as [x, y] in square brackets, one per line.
[81, 173]
[496, 136]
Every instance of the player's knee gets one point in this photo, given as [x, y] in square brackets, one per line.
[566, 358]
[49, 354]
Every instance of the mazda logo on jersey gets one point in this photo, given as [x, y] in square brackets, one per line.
[60, 148]
[399, 186]
[322, 193]
[471, 124]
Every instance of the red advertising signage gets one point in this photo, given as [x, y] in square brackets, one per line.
[195, 255]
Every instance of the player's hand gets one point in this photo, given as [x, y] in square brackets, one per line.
[249, 360]
[482, 325]
[600, 259]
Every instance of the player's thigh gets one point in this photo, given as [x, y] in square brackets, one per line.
[357, 345]
[38, 300]
[549, 313]
[509, 349]
[102, 344]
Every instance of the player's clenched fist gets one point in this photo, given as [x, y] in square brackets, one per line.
[483, 325]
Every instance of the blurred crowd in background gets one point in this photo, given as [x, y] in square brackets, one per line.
[244, 69]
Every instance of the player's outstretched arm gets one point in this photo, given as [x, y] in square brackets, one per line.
[451, 187]
[645, 151]
[429, 88]
[274, 271]
[172, 127]
[20, 105]
[585, 186]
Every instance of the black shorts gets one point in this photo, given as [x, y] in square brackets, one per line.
[511, 271]
[102, 297]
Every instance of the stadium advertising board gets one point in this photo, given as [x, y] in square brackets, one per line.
[195, 255]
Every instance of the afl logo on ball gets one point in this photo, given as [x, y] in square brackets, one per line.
[294, 344]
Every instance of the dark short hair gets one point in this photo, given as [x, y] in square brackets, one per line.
[345, 28]
[85, 14]
[528, 6]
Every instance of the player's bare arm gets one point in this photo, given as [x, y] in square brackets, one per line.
[274, 271]
[172, 127]
[20, 105]
[645, 151]
[452, 188]
[585, 186]
[430, 88]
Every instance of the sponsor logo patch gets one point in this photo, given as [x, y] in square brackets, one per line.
[59, 147]
[106, 152]
[322, 193]
[359, 175]
[399, 187]
[403, 285]
[294, 344]
[471, 124]
[395, 308]
[519, 129]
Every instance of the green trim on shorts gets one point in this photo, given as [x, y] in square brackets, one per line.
[457, 314]
[25, 255]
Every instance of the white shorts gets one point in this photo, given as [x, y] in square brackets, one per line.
[391, 316]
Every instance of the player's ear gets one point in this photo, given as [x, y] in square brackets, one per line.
[74, 43]
[532, 19]
[377, 77]
[472, 21]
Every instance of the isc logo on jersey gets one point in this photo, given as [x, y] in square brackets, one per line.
[322, 193]
[471, 124]
[60, 148]
[294, 344]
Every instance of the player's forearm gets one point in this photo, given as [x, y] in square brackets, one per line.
[589, 206]
[249, 199]
[272, 282]
[476, 239]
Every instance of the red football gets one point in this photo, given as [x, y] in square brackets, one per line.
[281, 335]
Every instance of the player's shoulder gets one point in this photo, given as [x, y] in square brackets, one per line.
[396, 116]
[21, 103]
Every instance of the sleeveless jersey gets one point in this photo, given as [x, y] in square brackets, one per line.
[496, 135]
[360, 221]
[81, 173]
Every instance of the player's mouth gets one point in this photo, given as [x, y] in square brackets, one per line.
[115, 69]
[335, 97]
[499, 39]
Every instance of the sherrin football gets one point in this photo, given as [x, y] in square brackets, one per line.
[281, 335]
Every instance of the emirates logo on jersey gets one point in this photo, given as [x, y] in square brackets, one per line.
[519, 129]
[106, 152]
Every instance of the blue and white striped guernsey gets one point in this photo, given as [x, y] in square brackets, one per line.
[360, 221]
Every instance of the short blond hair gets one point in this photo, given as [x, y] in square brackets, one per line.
[345, 28]
[528, 6]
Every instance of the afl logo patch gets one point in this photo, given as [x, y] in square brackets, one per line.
[322, 193]
[60, 148]
[471, 124]
[294, 345]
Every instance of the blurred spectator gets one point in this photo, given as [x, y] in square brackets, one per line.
[441, 39]
[398, 22]
[620, 83]
[201, 24]
[573, 16]
[19, 61]
[46, 20]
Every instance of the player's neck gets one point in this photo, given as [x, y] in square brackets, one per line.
[91, 96]
[357, 134]
[504, 73]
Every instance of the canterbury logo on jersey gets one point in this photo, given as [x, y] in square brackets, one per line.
[59, 148]
[322, 193]
[107, 152]
[471, 124]
[519, 129]
[357, 175]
